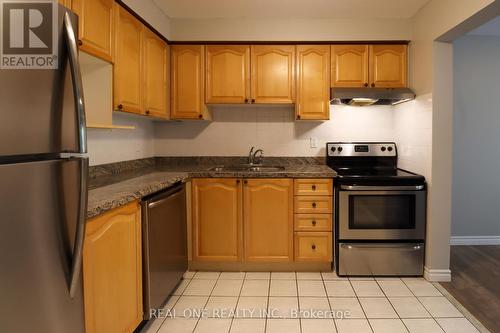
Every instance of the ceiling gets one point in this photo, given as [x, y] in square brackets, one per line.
[205, 9]
[491, 28]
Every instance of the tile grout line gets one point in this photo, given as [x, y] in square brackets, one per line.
[237, 301]
[329, 304]
[361, 306]
[208, 298]
[418, 300]
[392, 305]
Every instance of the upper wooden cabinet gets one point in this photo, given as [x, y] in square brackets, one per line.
[268, 220]
[349, 66]
[128, 62]
[95, 27]
[388, 66]
[112, 271]
[155, 71]
[66, 3]
[273, 74]
[313, 82]
[217, 228]
[187, 83]
[227, 74]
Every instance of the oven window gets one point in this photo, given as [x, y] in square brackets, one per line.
[381, 211]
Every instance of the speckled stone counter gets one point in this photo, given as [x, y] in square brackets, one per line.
[116, 184]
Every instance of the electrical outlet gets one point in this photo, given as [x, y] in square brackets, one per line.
[313, 142]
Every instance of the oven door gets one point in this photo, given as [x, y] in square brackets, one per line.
[382, 212]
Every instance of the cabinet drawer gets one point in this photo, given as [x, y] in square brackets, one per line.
[313, 186]
[313, 222]
[313, 246]
[313, 205]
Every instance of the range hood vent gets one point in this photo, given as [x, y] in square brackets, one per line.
[371, 96]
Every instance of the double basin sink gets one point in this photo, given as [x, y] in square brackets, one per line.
[247, 168]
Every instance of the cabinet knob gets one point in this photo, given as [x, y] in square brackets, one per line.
[246, 100]
[148, 112]
[313, 187]
[314, 223]
[313, 247]
[200, 116]
[373, 85]
[245, 181]
[314, 205]
[253, 100]
[120, 106]
[298, 116]
[80, 42]
[237, 181]
[366, 84]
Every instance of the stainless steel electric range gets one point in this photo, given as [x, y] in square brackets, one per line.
[380, 211]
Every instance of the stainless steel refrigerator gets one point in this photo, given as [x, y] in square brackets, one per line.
[43, 192]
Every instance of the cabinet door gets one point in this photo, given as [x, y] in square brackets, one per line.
[217, 229]
[273, 74]
[228, 74]
[313, 82]
[187, 87]
[112, 271]
[388, 66]
[66, 3]
[155, 75]
[128, 62]
[349, 66]
[268, 219]
[95, 26]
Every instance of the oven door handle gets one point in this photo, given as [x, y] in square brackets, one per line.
[381, 188]
[411, 247]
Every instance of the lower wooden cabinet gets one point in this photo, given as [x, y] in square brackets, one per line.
[112, 271]
[313, 246]
[216, 217]
[268, 220]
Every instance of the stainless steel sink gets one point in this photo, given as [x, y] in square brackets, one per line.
[247, 168]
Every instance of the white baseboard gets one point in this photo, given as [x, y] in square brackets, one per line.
[475, 240]
[437, 275]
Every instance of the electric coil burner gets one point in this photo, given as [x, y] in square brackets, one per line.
[380, 211]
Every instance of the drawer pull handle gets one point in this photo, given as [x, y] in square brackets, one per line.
[314, 223]
[314, 187]
[313, 247]
[314, 205]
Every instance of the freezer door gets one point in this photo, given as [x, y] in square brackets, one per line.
[40, 246]
[42, 110]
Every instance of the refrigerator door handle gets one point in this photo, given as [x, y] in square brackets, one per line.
[77, 83]
[76, 264]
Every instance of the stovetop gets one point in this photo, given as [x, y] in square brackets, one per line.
[368, 163]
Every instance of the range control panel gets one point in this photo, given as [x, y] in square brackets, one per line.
[339, 149]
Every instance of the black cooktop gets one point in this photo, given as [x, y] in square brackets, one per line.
[378, 176]
[368, 163]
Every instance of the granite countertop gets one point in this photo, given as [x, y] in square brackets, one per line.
[114, 185]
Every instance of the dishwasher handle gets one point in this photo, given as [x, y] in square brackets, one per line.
[157, 198]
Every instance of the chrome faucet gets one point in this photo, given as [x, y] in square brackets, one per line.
[255, 157]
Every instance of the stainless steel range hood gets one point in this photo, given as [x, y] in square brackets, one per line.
[370, 96]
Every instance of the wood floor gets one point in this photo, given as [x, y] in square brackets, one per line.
[476, 282]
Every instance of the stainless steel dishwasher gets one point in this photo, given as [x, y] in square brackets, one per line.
[164, 235]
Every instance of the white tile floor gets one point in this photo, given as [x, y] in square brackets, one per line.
[306, 303]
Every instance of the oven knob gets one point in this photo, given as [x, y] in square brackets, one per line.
[389, 149]
[340, 149]
[333, 149]
[383, 148]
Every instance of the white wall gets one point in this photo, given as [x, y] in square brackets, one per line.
[476, 179]
[149, 11]
[291, 29]
[235, 129]
[108, 146]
